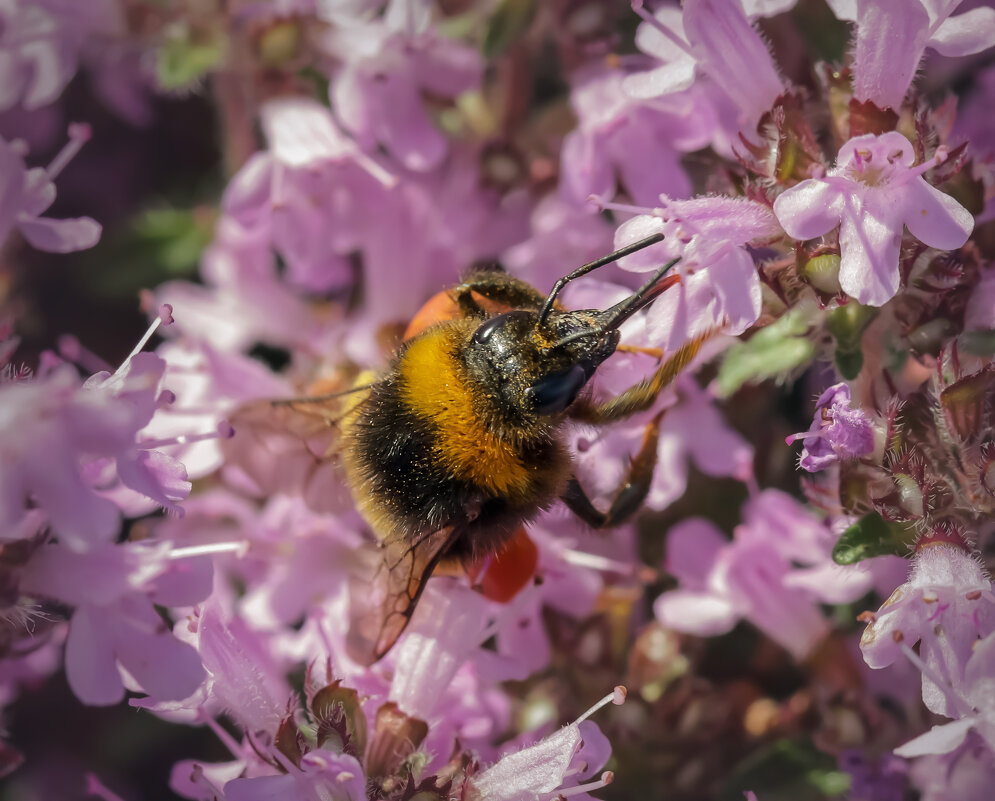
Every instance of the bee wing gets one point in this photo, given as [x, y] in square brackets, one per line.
[289, 447]
[381, 607]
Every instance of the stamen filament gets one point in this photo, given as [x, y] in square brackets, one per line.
[606, 565]
[226, 739]
[224, 431]
[72, 350]
[921, 169]
[791, 439]
[628, 208]
[165, 317]
[240, 547]
[282, 760]
[386, 178]
[79, 135]
[616, 696]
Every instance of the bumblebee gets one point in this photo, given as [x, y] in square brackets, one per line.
[459, 442]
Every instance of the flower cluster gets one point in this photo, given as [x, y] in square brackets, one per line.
[187, 534]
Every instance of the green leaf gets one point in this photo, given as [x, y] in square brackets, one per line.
[872, 536]
[511, 19]
[158, 245]
[177, 237]
[787, 770]
[184, 59]
[774, 351]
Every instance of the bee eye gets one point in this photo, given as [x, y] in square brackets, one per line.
[556, 392]
[484, 332]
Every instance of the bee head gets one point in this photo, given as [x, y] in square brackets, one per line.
[534, 364]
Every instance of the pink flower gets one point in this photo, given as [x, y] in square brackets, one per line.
[447, 627]
[116, 638]
[976, 714]
[537, 772]
[772, 517]
[243, 300]
[692, 431]
[892, 36]
[837, 431]
[965, 774]
[442, 676]
[871, 193]
[946, 606]
[637, 141]
[292, 193]
[571, 581]
[719, 282]
[206, 386]
[41, 43]
[722, 581]
[243, 678]
[66, 445]
[321, 776]
[386, 66]
[716, 38]
[562, 237]
[25, 194]
[89, 458]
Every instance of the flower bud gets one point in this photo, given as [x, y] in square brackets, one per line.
[823, 272]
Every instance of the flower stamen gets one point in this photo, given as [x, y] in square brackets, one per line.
[79, 134]
[223, 431]
[616, 696]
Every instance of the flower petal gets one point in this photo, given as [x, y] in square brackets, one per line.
[891, 38]
[164, 667]
[733, 54]
[302, 132]
[693, 545]
[666, 79]
[938, 740]
[695, 612]
[870, 240]
[528, 773]
[809, 209]
[967, 33]
[584, 170]
[90, 664]
[935, 218]
[61, 236]
[404, 127]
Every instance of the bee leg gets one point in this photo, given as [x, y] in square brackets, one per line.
[656, 353]
[630, 494]
[640, 397]
[497, 287]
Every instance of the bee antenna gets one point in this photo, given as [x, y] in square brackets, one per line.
[321, 398]
[621, 312]
[594, 265]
